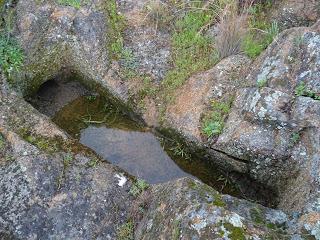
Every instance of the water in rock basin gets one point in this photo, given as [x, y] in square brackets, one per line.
[139, 153]
[118, 139]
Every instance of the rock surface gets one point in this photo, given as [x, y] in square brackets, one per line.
[271, 133]
[53, 191]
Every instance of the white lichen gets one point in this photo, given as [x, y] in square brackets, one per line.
[122, 180]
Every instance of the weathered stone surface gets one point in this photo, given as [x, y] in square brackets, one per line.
[270, 133]
[190, 210]
[296, 13]
[275, 130]
[149, 43]
[193, 98]
[61, 196]
[55, 37]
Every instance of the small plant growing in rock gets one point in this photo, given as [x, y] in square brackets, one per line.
[91, 98]
[298, 40]
[180, 150]
[68, 158]
[126, 231]
[214, 123]
[295, 138]
[2, 142]
[262, 83]
[138, 187]
[11, 55]
[93, 162]
[302, 90]
[73, 3]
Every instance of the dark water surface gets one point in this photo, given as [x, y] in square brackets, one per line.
[139, 153]
[142, 152]
[119, 140]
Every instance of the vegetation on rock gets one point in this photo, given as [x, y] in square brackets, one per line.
[138, 187]
[126, 231]
[11, 54]
[214, 122]
[73, 3]
[261, 31]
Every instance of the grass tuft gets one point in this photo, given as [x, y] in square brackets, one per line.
[11, 55]
[192, 51]
[72, 3]
[232, 28]
[138, 187]
[261, 31]
[126, 231]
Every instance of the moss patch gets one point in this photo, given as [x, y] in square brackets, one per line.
[236, 233]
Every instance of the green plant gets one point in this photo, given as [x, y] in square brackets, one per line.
[93, 162]
[261, 32]
[192, 51]
[40, 142]
[2, 142]
[295, 138]
[91, 98]
[67, 159]
[116, 27]
[138, 187]
[214, 122]
[302, 90]
[262, 83]
[180, 150]
[298, 40]
[11, 55]
[253, 45]
[213, 128]
[73, 3]
[128, 64]
[126, 231]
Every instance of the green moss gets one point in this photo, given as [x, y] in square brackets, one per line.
[93, 162]
[236, 233]
[176, 230]
[271, 226]
[257, 216]
[2, 142]
[218, 200]
[42, 143]
[295, 138]
[262, 83]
